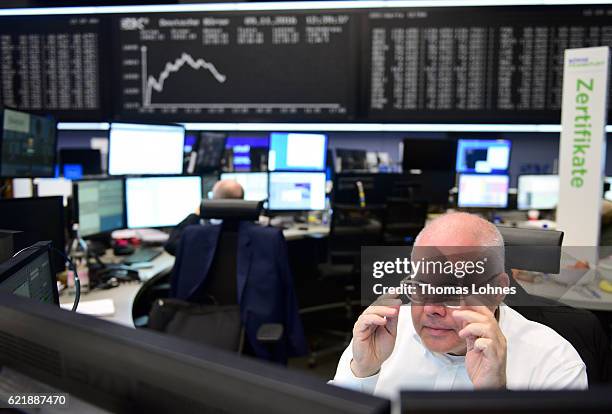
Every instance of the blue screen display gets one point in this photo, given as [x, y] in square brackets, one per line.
[297, 152]
[483, 156]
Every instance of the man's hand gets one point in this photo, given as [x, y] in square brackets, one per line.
[485, 359]
[374, 336]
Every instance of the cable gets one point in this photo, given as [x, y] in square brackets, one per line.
[77, 281]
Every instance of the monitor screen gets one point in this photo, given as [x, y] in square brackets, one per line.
[145, 149]
[428, 154]
[538, 192]
[161, 201]
[46, 187]
[30, 274]
[255, 184]
[85, 160]
[483, 156]
[248, 153]
[297, 152]
[485, 191]
[40, 218]
[99, 206]
[210, 152]
[28, 145]
[297, 191]
[351, 159]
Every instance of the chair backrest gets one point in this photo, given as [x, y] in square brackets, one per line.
[221, 285]
[579, 327]
[231, 209]
[352, 227]
[532, 249]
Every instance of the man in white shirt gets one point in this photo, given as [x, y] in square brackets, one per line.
[434, 346]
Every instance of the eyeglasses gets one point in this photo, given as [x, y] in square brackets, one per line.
[449, 296]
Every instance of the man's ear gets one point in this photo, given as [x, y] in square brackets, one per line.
[503, 281]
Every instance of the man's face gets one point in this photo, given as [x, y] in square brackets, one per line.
[437, 328]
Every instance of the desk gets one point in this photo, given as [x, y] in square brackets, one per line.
[576, 296]
[294, 233]
[123, 295]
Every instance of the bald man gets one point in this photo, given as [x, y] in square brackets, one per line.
[437, 346]
[223, 189]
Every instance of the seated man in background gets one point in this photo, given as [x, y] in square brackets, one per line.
[239, 262]
[224, 189]
[434, 346]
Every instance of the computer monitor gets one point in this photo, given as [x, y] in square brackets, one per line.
[161, 201]
[248, 152]
[538, 192]
[483, 156]
[210, 151]
[46, 187]
[597, 399]
[28, 145]
[77, 162]
[191, 141]
[145, 149]
[352, 159]
[40, 218]
[297, 152]
[483, 191]
[208, 183]
[99, 205]
[120, 369]
[30, 274]
[254, 184]
[428, 154]
[297, 191]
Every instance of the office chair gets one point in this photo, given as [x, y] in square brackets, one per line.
[152, 290]
[540, 250]
[351, 228]
[239, 269]
[404, 219]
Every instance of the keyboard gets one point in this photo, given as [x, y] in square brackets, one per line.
[141, 255]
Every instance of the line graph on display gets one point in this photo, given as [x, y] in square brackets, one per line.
[150, 83]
